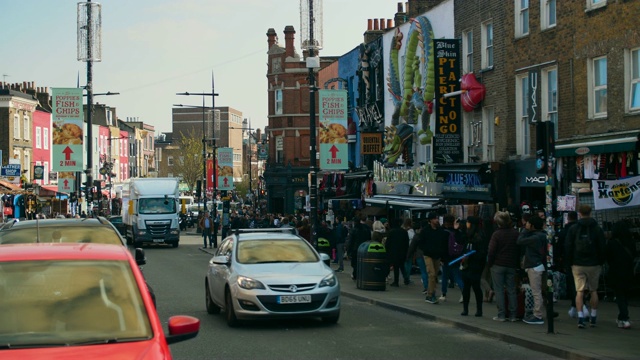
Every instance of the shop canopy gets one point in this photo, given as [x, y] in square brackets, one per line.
[9, 185]
[405, 202]
[620, 141]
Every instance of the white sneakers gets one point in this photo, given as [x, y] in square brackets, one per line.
[573, 313]
[624, 324]
[442, 298]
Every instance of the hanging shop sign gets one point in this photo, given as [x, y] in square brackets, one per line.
[334, 150]
[68, 119]
[370, 143]
[447, 145]
[225, 168]
[616, 194]
[38, 172]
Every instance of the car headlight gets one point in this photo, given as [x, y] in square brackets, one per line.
[249, 283]
[142, 232]
[174, 232]
[329, 280]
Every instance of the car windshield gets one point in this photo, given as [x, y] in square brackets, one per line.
[156, 206]
[274, 251]
[74, 234]
[116, 220]
[59, 303]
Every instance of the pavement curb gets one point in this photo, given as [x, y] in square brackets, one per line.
[516, 340]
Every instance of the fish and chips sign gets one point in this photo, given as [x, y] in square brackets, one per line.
[334, 151]
[225, 168]
[67, 137]
[616, 194]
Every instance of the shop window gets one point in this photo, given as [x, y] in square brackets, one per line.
[597, 80]
[522, 17]
[523, 141]
[632, 88]
[547, 14]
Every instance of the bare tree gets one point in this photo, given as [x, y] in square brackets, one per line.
[189, 160]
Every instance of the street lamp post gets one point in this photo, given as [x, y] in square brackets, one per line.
[204, 137]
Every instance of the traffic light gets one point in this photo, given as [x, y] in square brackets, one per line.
[198, 188]
[98, 190]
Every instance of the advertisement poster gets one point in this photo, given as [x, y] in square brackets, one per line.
[447, 144]
[68, 120]
[225, 168]
[334, 151]
[616, 194]
[211, 177]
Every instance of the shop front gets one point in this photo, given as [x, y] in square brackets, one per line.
[284, 187]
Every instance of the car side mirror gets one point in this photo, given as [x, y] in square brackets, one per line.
[141, 259]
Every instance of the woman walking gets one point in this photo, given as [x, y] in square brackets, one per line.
[620, 250]
[473, 265]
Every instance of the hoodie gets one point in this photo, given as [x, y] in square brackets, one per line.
[535, 243]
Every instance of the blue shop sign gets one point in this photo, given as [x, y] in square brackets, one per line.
[11, 170]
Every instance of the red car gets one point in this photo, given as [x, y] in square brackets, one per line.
[80, 301]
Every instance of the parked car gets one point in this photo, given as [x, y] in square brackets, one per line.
[116, 220]
[80, 300]
[90, 230]
[265, 274]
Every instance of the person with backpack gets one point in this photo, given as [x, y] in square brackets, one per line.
[472, 266]
[534, 239]
[585, 249]
[430, 241]
[452, 248]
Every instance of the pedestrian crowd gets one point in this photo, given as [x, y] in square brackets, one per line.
[499, 259]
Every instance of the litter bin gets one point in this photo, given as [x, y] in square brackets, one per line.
[324, 247]
[373, 267]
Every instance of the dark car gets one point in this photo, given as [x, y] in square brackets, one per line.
[116, 220]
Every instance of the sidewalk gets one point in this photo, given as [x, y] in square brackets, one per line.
[605, 341]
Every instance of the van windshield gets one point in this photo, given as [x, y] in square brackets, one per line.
[156, 206]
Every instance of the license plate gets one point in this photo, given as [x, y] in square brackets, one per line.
[294, 299]
[158, 240]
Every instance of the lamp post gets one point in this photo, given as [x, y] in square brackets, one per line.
[204, 137]
[312, 62]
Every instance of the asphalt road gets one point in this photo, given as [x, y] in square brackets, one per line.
[364, 331]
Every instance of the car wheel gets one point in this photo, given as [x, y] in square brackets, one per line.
[137, 244]
[175, 244]
[333, 319]
[232, 320]
[212, 308]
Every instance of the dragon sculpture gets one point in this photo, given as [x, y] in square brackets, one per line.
[413, 98]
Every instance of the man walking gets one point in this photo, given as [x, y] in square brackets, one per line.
[585, 251]
[535, 241]
[339, 235]
[361, 232]
[430, 242]
[503, 262]
[206, 224]
[397, 246]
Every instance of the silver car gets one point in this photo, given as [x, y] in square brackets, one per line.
[270, 273]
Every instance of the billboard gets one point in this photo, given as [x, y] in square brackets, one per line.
[334, 151]
[67, 138]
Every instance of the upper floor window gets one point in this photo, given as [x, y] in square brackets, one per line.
[522, 17]
[487, 45]
[467, 51]
[169, 160]
[547, 14]
[27, 128]
[16, 127]
[489, 141]
[597, 80]
[550, 100]
[45, 138]
[594, 4]
[523, 141]
[632, 67]
[278, 102]
[38, 137]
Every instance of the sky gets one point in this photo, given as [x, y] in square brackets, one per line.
[153, 49]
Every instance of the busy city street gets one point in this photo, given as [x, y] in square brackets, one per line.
[365, 331]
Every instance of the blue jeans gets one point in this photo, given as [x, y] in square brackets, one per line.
[504, 278]
[423, 271]
[447, 272]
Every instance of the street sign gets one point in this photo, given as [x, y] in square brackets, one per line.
[66, 185]
[68, 124]
[334, 151]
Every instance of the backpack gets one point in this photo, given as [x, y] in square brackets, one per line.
[584, 243]
[455, 248]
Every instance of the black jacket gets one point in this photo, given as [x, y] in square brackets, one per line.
[359, 234]
[475, 262]
[593, 257]
[397, 245]
[429, 240]
[535, 243]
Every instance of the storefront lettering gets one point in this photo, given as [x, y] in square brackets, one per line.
[463, 179]
[369, 115]
[535, 179]
[617, 191]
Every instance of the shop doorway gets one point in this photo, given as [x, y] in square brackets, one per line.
[277, 205]
[534, 196]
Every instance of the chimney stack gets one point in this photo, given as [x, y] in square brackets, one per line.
[289, 31]
[272, 37]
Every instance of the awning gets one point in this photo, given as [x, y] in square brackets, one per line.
[620, 141]
[373, 211]
[462, 168]
[405, 201]
[9, 185]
